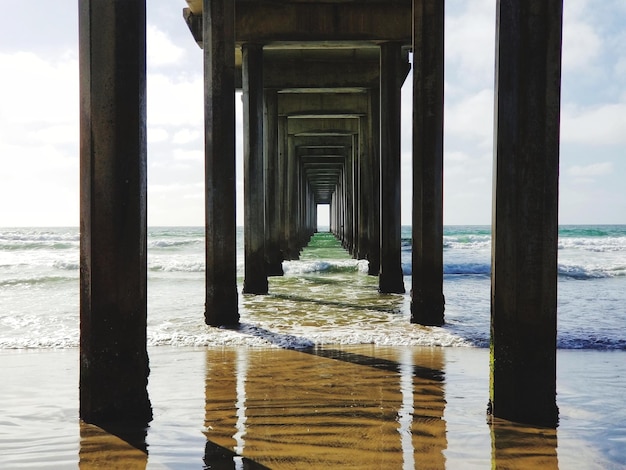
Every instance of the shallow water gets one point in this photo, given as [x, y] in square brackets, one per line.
[341, 407]
[326, 291]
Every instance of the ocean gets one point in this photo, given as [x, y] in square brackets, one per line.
[326, 297]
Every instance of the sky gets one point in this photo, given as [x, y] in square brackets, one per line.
[39, 115]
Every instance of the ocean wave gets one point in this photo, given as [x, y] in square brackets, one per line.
[467, 242]
[582, 273]
[178, 266]
[470, 269]
[66, 265]
[594, 342]
[36, 245]
[596, 245]
[319, 266]
[33, 281]
[164, 244]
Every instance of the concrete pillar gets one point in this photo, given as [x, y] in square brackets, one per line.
[283, 215]
[292, 199]
[113, 357]
[349, 198]
[363, 176]
[525, 216]
[255, 278]
[373, 226]
[427, 302]
[273, 255]
[390, 278]
[355, 195]
[221, 306]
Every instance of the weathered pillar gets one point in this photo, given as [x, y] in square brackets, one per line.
[427, 302]
[113, 357]
[349, 198]
[363, 172]
[292, 199]
[355, 195]
[373, 226]
[525, 216]
[273, 255]
[283, 215]
[221, 306]
[390, 278]
[255, 280]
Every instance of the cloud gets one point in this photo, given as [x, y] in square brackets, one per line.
[594, 169]
[37, 90]
[157, 134]
[175, 100]
[470, 42]
[600, 125]
[160, 49]
[186, 136]
[196, 156]
[581, 43]
[471, 117]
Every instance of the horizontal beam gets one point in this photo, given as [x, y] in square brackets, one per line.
[270, 22]
[323, 126]
[313, 104]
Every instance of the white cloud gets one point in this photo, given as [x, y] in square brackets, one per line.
[61, 134]
[175, 101]
[157, 134]
[189, 155]
[594, 169]
[470, 42]
[581, 45]
[186, 136]
[160, 49]
[471, 117]
[600, 125]
[37, 90]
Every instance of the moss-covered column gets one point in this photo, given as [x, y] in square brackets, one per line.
[221, 306]
[525, 216]
[427, 302]
[113, 357]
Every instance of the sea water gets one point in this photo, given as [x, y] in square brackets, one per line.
[326, 297]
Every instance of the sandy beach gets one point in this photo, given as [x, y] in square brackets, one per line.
[346, 407]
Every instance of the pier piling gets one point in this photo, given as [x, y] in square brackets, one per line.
[113, 265]
[525, 215]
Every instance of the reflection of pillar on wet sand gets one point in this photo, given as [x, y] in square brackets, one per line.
[422, 427]
[225, 422]
[328, 408]
[221, 393]
[122, 447]
[518, 446]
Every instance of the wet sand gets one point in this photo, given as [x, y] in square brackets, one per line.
[337, 407]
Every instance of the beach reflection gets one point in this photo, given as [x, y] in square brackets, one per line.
[359, 406]
[515, 446]
[121, 446]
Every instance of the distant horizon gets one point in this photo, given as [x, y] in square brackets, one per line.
[319, 225]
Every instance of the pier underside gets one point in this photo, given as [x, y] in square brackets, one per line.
[321, 87]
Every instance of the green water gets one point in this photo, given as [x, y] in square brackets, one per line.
[324, 246]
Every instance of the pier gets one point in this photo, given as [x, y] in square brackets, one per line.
[321, 87]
